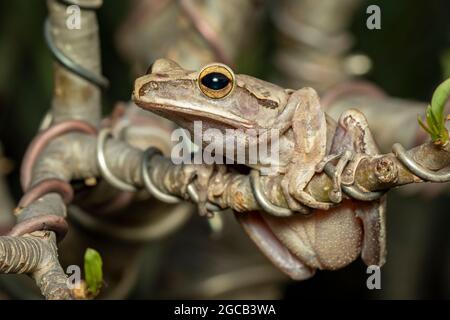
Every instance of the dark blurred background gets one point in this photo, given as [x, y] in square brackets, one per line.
[410, 56]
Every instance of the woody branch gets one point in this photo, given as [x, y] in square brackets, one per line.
[382, 172]
[27, 249]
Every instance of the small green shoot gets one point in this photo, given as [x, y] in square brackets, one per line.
[435, 118]
[93, 271]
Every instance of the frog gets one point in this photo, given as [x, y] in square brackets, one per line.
[318, 235]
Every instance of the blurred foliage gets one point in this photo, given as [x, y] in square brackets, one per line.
[406, 51]
[445, 63]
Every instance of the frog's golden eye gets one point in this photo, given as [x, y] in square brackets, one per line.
[216, 81]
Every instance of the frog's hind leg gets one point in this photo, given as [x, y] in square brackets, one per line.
[353, 135]
[344, 158]
[373, 217]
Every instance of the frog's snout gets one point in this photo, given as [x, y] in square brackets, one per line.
[145, 88]
[141, 88]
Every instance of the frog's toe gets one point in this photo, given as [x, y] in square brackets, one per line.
[373, 217]
[188, 176]
[321, 165]
[300, 196]
[310, 201]
[292, 203]
[336, 193]
[203, 210]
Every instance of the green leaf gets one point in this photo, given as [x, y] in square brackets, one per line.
[431, 121]
[93, 270]
[424, 127]
[440, 97]
[435, 116]
[438, 123]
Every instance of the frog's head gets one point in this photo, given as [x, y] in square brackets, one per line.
[214, 95]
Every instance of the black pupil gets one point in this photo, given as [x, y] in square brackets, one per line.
[215, 81]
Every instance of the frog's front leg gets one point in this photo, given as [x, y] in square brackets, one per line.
[344, 158]
[310, 139]
[199, 176]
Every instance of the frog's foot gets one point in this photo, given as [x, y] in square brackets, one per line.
[195, 182]
[292, 203]
[344, 158]
[373, 217]
[297, 198]
[329, 158]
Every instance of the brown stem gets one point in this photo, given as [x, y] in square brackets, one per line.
[74, 98]
[35, 255]
[374, 173]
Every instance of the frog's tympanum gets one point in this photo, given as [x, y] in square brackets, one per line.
[335, 233]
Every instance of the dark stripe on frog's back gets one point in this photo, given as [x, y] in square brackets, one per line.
[266, 103]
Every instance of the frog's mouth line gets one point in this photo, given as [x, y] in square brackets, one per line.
[259, 231]
[169, 109]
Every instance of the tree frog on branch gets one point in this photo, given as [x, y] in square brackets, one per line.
[336, 232]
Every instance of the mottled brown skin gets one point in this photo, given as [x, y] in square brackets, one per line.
[336, 233]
